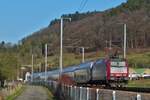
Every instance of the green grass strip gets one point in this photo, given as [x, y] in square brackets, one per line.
[16, 93]
[144, 83]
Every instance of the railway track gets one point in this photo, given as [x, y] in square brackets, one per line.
[132, 89]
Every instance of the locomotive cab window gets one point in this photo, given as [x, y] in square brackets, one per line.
[118, 64]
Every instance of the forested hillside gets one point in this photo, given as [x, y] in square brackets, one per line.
[92, 30]
[99, 27]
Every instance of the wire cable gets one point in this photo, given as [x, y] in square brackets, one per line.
[82, 5]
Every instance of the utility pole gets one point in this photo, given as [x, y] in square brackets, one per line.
[32, 68]
[45, 62]
[40, 67]
[110, 43]
[106, 43]
[82, 54]
[125, 40]
[61, 44]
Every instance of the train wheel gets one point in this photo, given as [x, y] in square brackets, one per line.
[108, 85]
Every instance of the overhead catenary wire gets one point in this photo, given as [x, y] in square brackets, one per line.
[82, 5]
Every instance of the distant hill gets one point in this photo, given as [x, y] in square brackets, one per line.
[93, 29]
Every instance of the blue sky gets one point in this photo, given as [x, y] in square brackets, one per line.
[19, 18]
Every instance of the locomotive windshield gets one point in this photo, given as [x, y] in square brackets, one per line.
[118, 63]
[118, 66]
